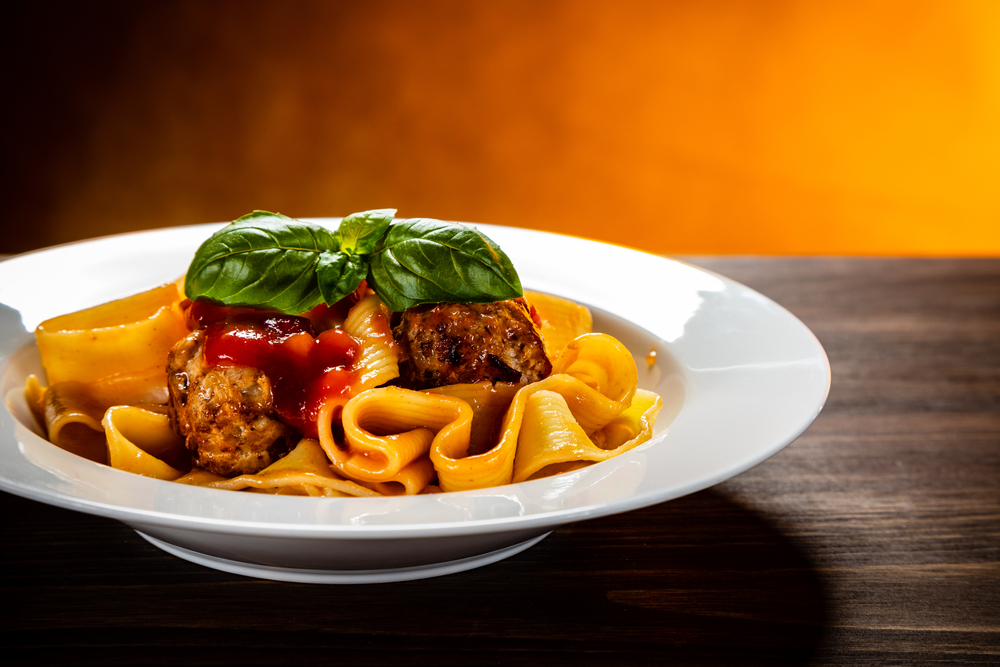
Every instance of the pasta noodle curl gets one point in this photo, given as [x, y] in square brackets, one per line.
[563, 419]
[107, 397]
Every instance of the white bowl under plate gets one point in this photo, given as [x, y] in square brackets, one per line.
[740, 376]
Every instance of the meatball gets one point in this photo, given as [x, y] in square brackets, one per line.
[225, 415]
[452, 343]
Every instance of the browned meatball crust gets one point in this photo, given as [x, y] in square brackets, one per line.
[225, 415]
[451, 343]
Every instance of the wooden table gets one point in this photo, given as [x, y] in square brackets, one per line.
[873, 539]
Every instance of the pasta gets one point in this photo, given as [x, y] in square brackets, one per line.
[356, 433]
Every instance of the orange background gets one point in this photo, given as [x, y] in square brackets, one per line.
[715, 126]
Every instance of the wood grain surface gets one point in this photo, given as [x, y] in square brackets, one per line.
[874, 539]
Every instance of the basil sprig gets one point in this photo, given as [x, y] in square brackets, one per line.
[267, 260]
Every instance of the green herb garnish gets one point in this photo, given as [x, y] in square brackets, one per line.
[267, 260]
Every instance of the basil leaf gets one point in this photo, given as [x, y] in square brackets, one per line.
[262, 260]
[339, 275]
[430, 261]
[359, 233]
[253, 216]
[266, 260]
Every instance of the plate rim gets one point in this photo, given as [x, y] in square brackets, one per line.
[131, 515]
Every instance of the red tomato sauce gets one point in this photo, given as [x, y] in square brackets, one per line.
[305, 369]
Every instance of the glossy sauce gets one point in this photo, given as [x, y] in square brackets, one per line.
[305, 369]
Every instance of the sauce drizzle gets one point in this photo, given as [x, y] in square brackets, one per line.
[305, 369]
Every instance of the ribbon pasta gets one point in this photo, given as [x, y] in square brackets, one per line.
[107, 402]
[305, 471]
[386, 429]
[141, 441]
[561, 321]
[130, 335]
[111, 354]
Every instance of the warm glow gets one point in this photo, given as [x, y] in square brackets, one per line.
[792, 127]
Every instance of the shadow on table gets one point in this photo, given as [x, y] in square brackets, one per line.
[700, 580]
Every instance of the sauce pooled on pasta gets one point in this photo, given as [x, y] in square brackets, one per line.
[305, 369]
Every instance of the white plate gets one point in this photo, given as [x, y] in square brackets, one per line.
[740, 376]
